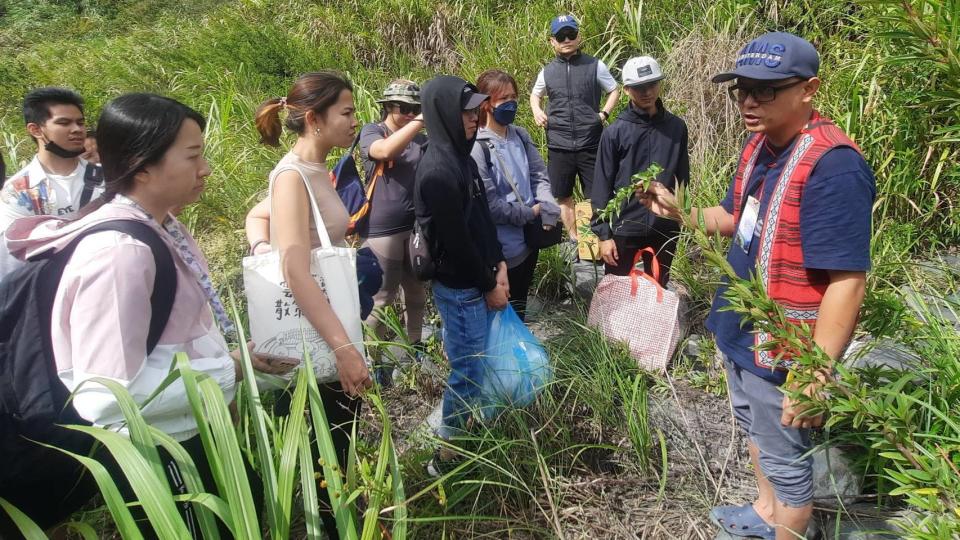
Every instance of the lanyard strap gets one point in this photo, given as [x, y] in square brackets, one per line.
[506, 172]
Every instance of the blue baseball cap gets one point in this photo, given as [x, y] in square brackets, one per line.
[563, 21]
[774, 56]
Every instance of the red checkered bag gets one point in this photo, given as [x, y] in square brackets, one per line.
[636, 310]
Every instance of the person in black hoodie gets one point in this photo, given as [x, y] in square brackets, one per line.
[643, 134]
[471, 273]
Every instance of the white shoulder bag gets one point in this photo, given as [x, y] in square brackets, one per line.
[277, 325]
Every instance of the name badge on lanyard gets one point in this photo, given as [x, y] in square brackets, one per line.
[748, 223]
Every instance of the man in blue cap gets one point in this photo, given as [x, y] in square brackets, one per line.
[799, 209]
[573, 83]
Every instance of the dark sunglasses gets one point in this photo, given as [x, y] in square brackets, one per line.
[407, 108]
[566, 35]
[761, 94]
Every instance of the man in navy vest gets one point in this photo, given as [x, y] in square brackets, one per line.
[573, 83]
[799, 210]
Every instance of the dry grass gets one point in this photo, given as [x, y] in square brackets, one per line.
[716, 132]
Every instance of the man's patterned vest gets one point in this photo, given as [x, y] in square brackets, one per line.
[780, 256]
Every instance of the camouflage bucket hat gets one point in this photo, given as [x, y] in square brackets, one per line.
[403, 92]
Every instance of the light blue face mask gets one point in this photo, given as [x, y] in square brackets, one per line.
[505, 113]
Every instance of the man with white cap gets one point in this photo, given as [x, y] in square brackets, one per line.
[643, 134]
[799, 209]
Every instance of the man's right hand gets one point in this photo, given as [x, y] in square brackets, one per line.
[608, 252]
[497, 297]
[540, 118]
[660, 201]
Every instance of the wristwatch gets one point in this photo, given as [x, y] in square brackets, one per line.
[606, 115]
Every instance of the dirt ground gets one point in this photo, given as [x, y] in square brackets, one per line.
[706, 465]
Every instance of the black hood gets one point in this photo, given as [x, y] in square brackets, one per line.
[442, 113]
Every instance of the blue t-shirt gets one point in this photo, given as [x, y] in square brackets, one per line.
[835, 214]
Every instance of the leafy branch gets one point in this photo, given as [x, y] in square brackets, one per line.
[640, 181]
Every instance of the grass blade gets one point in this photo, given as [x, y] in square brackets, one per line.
[29, 529]
[136, 426]
[346, 524]
[221, 447]
[296, 425]
[191, 478]
[122, 517]
[85, 530]
[277, 518]
[152, 492]
[308, 483]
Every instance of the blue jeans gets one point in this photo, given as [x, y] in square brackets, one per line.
[463, 313]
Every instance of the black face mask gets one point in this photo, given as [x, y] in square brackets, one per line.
[60, 151]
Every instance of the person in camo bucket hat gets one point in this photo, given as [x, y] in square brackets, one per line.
[391, 150]
[400, 91]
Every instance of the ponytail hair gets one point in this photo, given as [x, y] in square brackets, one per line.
[268, 121]
[316, 91]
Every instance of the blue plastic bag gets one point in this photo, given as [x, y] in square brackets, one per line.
[516, 364]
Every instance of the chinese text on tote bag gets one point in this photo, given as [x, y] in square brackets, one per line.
[277, 325]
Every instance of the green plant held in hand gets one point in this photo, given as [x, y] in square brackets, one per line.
[888, 416]
[640, 181]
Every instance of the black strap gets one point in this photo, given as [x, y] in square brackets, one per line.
[92, 179]
[164, 282]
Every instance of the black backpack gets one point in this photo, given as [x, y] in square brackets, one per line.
[421, 253]
[92, 179]
[32, 397]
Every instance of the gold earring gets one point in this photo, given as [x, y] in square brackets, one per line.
[316, 132]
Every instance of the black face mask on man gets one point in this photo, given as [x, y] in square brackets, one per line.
[60, 151]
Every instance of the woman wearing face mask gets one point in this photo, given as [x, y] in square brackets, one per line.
[516, 181]
[319, 109]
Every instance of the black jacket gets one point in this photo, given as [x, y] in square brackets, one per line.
[449, 198]
[633, 142]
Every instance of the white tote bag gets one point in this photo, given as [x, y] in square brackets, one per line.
[277, 325]
[636, 310]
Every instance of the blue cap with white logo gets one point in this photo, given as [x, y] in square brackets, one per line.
[563, 21]
[774, 56]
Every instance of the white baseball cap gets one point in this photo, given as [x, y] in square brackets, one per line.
[641, 70]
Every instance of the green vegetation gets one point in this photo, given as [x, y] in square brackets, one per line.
[639, 182]
[891, 74]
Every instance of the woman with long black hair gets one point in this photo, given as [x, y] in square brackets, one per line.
[151, 148]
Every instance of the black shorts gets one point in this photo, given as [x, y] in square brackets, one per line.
[563, 167]
[664, 245]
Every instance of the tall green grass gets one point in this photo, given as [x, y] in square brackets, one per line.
[284, 449]
[890, 72]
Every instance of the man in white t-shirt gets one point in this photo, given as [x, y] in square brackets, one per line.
[56, 182]
[573, 84]
[53, 182]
